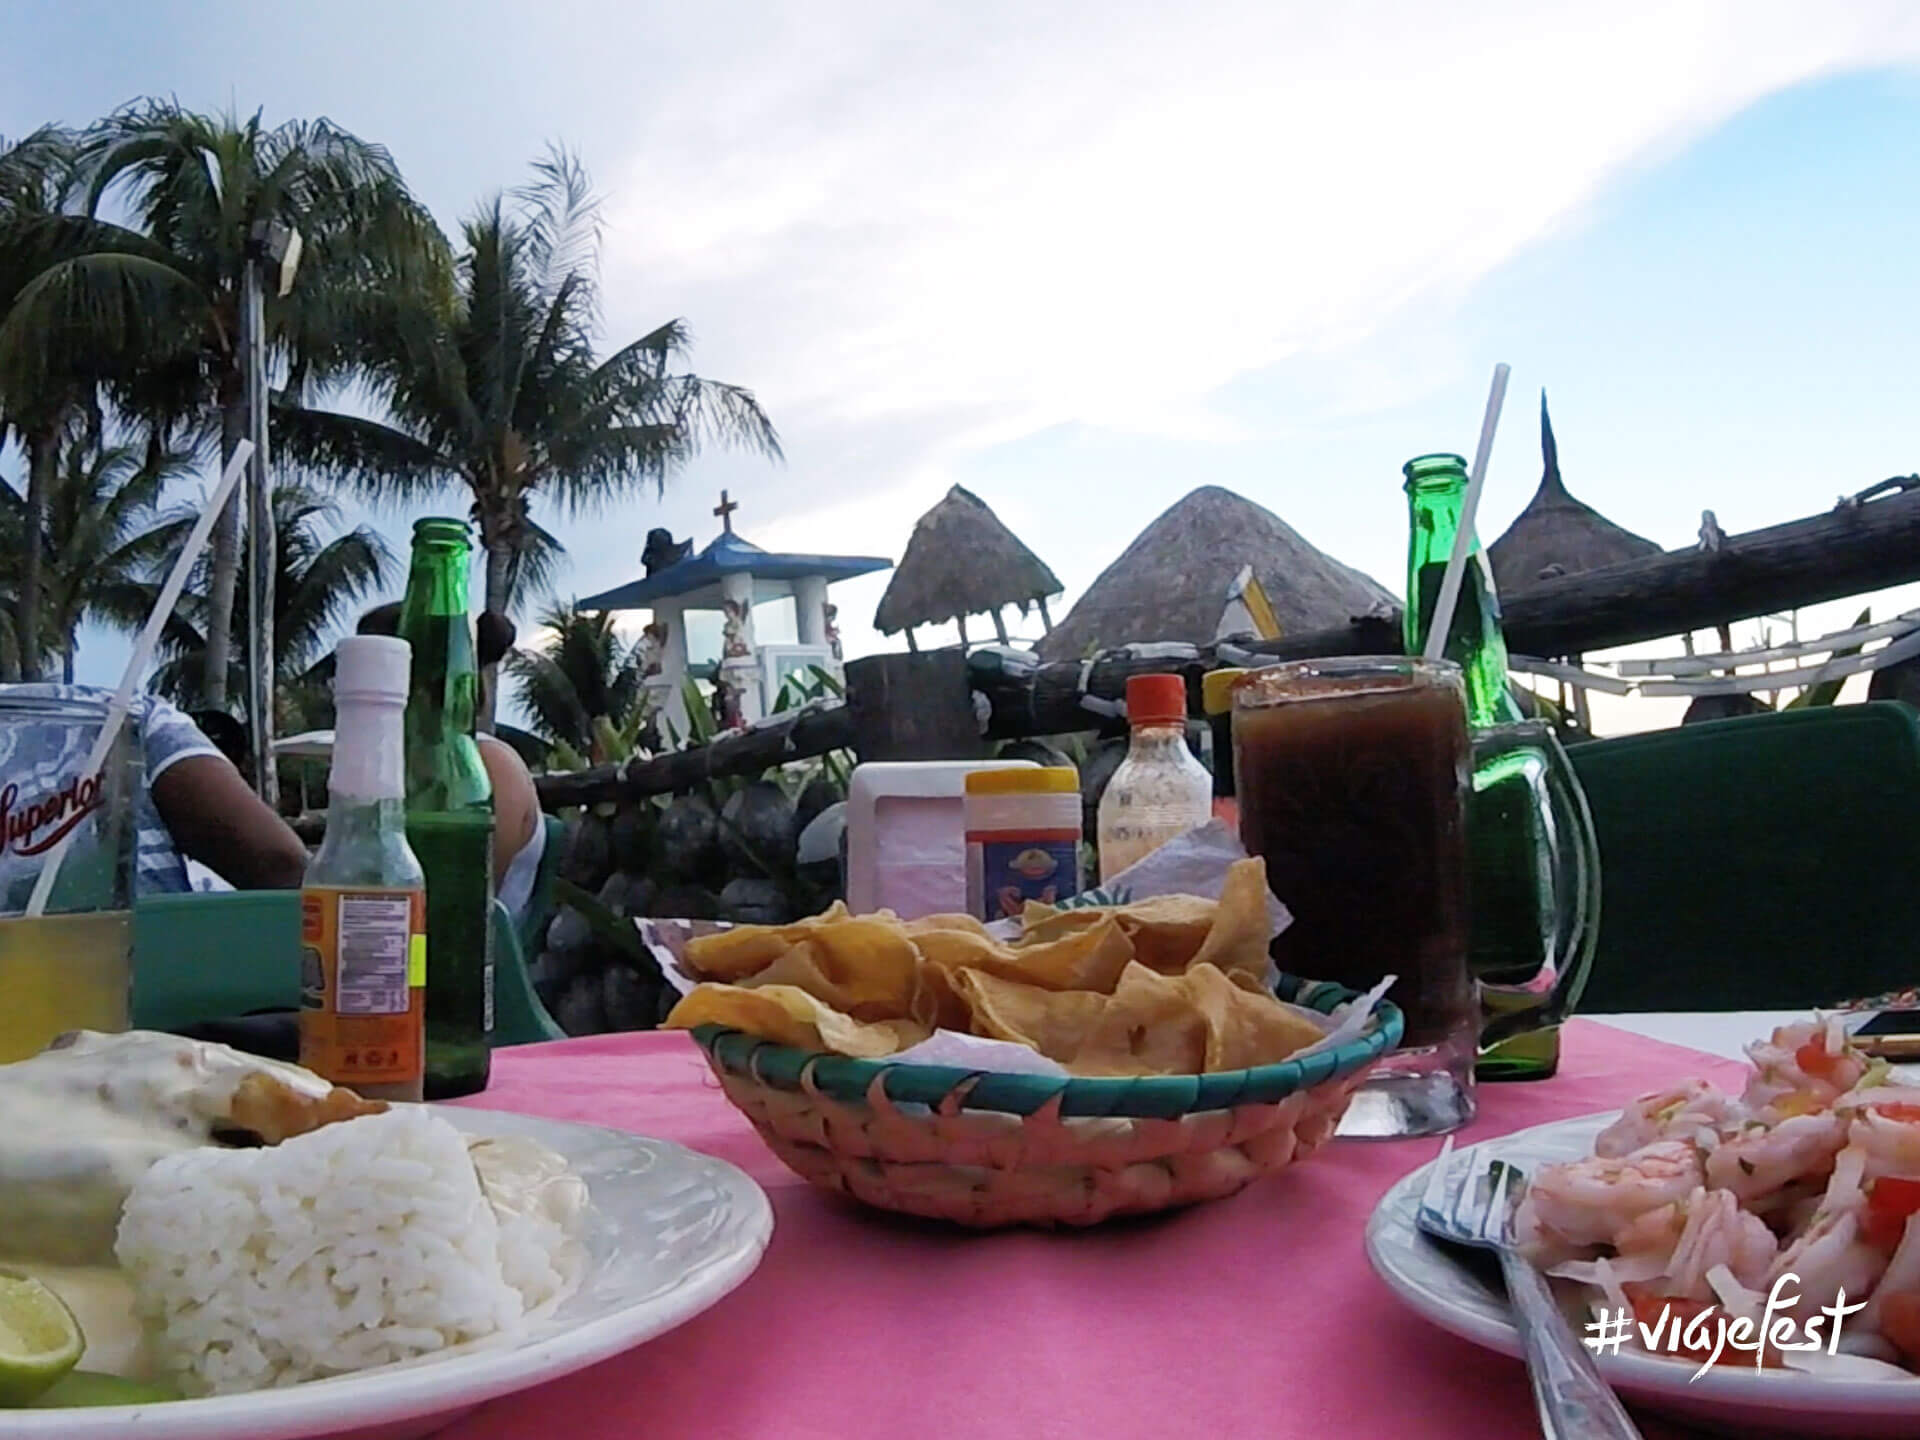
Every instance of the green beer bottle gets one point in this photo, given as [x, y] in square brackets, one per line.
[1507, 944]
[449, 810]
[1436, 487]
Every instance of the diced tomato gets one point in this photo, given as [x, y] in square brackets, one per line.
[1902, 1111]
[1890, 1201]
[1900, 1323]
[1813, 1059]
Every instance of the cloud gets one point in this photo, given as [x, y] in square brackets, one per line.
[919, 231]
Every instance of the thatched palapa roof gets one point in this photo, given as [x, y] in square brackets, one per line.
[1557, 534]
[960, 561]
[1172, 581]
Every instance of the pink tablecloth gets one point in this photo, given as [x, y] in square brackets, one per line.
[1254, 1316]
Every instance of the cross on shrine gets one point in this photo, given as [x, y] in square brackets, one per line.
[725, 511]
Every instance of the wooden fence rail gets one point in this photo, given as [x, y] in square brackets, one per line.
[1863, 544]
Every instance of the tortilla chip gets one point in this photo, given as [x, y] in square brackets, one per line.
[866, 968]
[1090, 958]
[1054, 1022]
[734, 954]
[788, 1015]
[945, 924]
[1237, 944]
[1168, 930]
[1244, 1029]
[1041, 923]
[1148, 1026]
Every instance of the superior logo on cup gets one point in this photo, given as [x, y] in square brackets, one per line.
[1707, 1331]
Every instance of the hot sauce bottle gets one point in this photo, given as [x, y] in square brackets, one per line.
[363, 904]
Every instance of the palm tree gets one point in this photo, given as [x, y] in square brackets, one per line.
[106, 531]
[42, 408]
[503, 395]
[319, 576]
[582, 677]
[161, 299]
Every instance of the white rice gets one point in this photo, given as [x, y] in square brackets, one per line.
[359, 1244]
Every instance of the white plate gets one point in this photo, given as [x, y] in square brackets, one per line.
[670, 1232]
[1735, 1400]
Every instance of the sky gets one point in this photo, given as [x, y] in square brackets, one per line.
[1085, 257]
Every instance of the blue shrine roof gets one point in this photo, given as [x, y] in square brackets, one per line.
[729, 555]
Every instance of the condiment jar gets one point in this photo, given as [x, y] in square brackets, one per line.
[1023, 839]
[1216, 698]
[1160, 790]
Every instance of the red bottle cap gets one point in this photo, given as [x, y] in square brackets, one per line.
[1156, 700]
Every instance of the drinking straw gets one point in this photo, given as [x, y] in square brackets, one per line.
[143, 652]
[1463, 537]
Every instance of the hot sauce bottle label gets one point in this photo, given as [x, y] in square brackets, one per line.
[363, 977]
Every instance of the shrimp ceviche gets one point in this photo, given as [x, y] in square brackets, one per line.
[1805, 1188]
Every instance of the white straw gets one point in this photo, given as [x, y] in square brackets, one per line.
[1463, 537]
[143, 652]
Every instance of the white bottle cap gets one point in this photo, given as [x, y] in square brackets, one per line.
[371, 667]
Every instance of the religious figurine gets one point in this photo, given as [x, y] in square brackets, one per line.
[734, 644]
[663, 552]
[726, 706]
[653, 648]
[833, 632]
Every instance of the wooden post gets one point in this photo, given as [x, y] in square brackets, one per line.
[913, 645]
[913, 707]
[1046, 620]
[1000, 624]
[961, 621]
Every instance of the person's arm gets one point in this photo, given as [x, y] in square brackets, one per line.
[516, 804]
[214, 817]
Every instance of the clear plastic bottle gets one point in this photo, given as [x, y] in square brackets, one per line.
[363, 904]
[1160, 790]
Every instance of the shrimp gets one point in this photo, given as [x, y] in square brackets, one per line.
[1588, 1202]
[1718, 1232]
[1759, 1161]
[1675, 1113]
[1829, 1258]
[1802, 1068]
[1886, 1127]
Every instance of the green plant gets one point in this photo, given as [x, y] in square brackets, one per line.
[153, 307]
[502, 393]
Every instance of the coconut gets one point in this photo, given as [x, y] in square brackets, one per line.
[757, 830]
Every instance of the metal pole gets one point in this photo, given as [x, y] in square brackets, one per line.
[260, 558]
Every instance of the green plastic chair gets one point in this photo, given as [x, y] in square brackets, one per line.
[519, 1015]
[1762, 863]
[204, 957]
[209, 956]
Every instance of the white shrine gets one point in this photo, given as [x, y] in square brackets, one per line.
[732, 576]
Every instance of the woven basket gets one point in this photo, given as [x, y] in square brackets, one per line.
[994, 1149]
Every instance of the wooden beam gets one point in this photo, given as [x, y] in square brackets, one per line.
[793, 735]
[1850, 550]
[913, 707]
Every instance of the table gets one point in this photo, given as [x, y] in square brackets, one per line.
[1723, 1033]
[1224, 1320]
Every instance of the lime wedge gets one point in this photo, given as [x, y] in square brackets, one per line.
[39, 1339]
[81, 1389]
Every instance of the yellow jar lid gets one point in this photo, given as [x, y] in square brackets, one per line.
[1041, 780]
[1216, 690]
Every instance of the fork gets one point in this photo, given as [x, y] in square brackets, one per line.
[1574, 1401]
